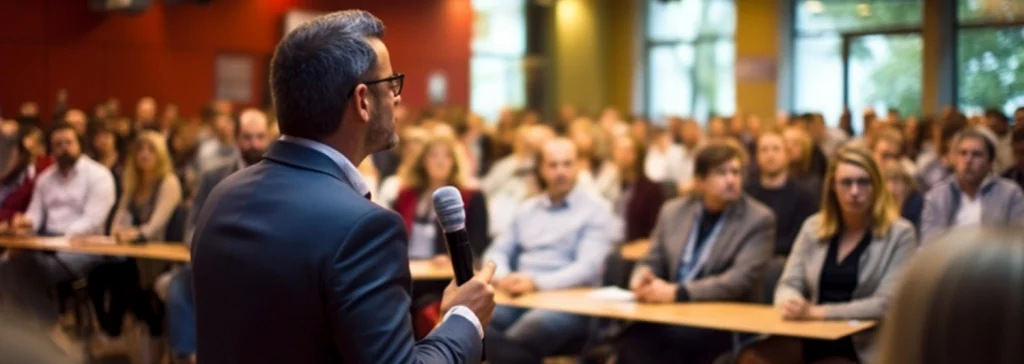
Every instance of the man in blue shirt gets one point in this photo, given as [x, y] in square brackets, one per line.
[557, 240]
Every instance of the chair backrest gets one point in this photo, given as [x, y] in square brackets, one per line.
[772, 273]
[617, 270]
[176, 225]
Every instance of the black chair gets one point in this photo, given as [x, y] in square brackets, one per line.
[176, 225]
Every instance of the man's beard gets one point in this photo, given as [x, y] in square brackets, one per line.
[250, 157]
[381, 135]
[66, 160]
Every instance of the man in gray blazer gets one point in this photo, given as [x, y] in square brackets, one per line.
[712, 246]
[972, 196]
[293, 263]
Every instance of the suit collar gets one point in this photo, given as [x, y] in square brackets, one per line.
[301, 156]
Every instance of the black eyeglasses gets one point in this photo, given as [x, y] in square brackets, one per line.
[395, 82]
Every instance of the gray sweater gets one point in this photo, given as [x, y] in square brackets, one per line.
[1002, 203]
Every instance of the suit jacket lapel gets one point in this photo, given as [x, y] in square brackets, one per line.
[685, 219]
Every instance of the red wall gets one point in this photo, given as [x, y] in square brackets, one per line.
[168, 52]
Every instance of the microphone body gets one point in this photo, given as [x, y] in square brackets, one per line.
[461, 254]
[451, 215]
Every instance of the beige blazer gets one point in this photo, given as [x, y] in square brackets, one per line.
[880, 266]
[735, 264]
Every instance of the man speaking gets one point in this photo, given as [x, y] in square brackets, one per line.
[292, 262]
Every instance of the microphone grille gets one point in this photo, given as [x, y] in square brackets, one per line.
[449, 208]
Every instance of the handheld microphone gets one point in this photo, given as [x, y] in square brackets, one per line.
[450, 213]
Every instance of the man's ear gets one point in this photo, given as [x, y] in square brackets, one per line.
[361, 102]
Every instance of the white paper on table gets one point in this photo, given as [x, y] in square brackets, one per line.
[612, 293]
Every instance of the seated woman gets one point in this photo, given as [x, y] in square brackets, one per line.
[437, 164]
[858, 228]
[638, 200]
[955, 303]
[151, 193]
[905, 195]
[18, 181]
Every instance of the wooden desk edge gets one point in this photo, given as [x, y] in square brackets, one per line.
[832, 334]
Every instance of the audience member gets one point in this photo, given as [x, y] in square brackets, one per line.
[103, 149]
[183, 145]
[888, 147]
[801, 161]
[933, 168]
[791, 202]
[71, 199]
[145, 115]
[717, 129]
[596, 175]
[511, 179]
[689, 135]
[827, 139]
[151, 193]
[19, 180]
[959, 302]
[1016, 172]
[221, 148]
[712, 246]
[638, 199]
[78, 120]
[905, 194]
[999, 124]
[556, 240]
[972, 196]
[409, 145]
[8, 142]
[844, 265]
[668, 162]
[475, 142]
[168, 119]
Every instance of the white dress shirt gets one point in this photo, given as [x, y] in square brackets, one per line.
[356, 179]
[970, 211]
[73, 204]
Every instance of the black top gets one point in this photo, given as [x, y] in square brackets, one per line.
[838, 281]
[707, 223]
[791, 203]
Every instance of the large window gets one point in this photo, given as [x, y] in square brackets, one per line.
[990, 61]
[691, 57]
[860, 54]
[499, 44]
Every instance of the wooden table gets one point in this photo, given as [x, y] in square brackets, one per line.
[101, 245]
[736, 317]
[635, 250]
[169, 251]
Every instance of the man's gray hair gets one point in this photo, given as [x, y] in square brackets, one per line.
[317, 65]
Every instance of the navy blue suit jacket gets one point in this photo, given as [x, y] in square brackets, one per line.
[292, 265]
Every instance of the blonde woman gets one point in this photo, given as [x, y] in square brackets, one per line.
[151, 191]
[150, 194]
[960, 302]
[844, 265]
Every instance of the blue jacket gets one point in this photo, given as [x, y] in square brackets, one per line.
[292, 265]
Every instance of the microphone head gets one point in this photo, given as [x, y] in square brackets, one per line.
[449, 208]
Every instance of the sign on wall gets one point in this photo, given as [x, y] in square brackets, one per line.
[234, 77]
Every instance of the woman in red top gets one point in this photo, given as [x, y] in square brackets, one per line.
[438, 164]
[19, 180]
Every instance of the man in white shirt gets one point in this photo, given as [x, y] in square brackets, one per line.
[973, 196]
[70, 199]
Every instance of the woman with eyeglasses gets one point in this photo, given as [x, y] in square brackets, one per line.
[844, 265]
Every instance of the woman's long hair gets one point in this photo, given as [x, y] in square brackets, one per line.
[414, 175]
[883, 210]
[960, 301]
[132, 177]
[24, 155]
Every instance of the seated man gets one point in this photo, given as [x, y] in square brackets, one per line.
[791, 202]
[710, 246]
[972, 196]
[557, 240]
[71, 199]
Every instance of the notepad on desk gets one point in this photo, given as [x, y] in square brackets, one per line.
[612, 293]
